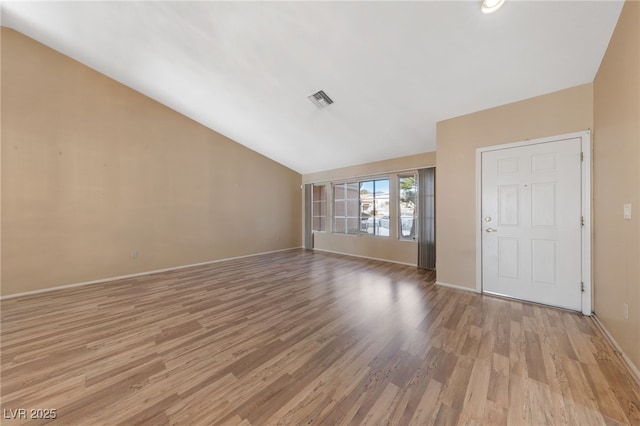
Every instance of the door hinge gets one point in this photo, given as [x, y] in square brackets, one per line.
[582, 286]
[582, 156]
[582, 220]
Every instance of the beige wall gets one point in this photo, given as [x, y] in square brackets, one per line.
[617, 181]
[561, 112]
[391, 248]
[411, 162]
[1, 126]
[93, 171]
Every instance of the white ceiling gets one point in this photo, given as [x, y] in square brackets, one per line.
[394, 69]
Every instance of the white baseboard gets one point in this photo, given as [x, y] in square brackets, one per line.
[630, 365]
[365, 257]
[456, 287]
[137, 274]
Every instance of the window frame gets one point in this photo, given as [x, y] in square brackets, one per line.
[357, 181]
[373, 203]
[346, 217]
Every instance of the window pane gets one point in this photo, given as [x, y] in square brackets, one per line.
[352, 208]
[352, 190]
[366, 187]
[366, 225]
[345, 208]
[407, 193]
[319, 211]
[352, 225]
[382, 185]
[381, 208]
[367, 206]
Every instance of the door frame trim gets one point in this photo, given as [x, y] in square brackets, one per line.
[585, 136]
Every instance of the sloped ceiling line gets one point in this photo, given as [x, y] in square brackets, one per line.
[245, 69]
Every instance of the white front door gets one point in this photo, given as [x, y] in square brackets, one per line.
[531, 223]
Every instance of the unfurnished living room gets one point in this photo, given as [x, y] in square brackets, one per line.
[328, 213]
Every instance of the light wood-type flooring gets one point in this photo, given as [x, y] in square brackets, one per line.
[301, 337]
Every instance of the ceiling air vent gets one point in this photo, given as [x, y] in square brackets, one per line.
[320, 99]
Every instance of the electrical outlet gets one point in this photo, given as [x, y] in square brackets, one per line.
[625, 310]
[134, 254]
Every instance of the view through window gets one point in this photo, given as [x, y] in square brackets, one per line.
[361, 207]
[374, 207]
[408, 191]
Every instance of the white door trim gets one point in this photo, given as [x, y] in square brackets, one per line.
[585, 136]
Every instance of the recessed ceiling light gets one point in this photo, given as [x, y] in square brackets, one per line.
[320, 99]
[490, 6]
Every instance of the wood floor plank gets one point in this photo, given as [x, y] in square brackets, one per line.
[302, 337]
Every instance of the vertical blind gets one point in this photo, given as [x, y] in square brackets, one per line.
[308, 237]
[426, 218]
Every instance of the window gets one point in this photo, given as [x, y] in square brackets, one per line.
[361, 207]
[407, 193]
[319, 212]
[374, 207]
[345, 208]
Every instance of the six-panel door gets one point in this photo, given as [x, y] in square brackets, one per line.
[531, 223]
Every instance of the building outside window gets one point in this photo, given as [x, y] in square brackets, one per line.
[374, 207]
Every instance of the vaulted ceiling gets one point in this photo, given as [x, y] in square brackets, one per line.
[393, 69]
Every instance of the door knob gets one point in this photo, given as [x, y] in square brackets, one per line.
[491, 230]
